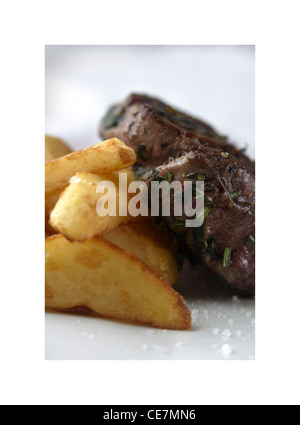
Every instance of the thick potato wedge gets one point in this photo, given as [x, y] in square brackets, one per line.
[150, 245]
[75, 214]
[104, 157]
[54, 148]
[97, 277]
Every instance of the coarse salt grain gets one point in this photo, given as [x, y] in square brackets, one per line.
[226, 351]
[216, 331]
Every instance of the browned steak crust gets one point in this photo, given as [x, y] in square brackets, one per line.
[165, 131]
[173, 142]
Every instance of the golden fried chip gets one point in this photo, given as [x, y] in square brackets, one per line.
[104, 157]
[97, 277]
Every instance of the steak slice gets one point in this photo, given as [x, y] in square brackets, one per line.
[158, 132]
[185, 148]
[230, 214]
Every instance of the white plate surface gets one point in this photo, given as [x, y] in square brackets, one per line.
[215, 83]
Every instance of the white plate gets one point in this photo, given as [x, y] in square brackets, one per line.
[215, 83]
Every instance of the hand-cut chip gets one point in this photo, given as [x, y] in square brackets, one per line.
[97, 277]
[52, 198]
[104, 157]
[54, 148]
[75, 214]
[152, 246]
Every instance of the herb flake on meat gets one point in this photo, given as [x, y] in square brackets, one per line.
[226, 257]
[236, 194]
[250, 240]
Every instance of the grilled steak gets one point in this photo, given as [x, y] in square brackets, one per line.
[158, 132]
[229, 209]
[185, 148]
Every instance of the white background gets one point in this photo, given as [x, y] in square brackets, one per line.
[25, 376]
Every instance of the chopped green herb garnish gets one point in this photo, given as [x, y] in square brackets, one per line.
[203, 213]
[208, 186]
[169, 177]
[179, 223]
[192, 176]
[236, 194]
[179, 226]
[207, 210]
[196, 176]
[249, 240]
[140, 152]
[153, 174]
[205, 245]
[226, 257]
